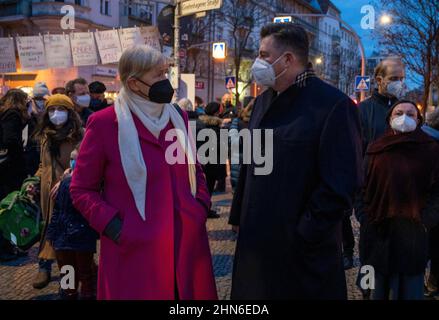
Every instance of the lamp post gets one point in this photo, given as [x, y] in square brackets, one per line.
[357, 38]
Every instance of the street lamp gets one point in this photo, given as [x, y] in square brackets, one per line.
[319, 61]
[385, 19]
[357, 38]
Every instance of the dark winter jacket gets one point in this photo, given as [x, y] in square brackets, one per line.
[402, 171]
[373, 112]
[290, 220]
[213, 170]
[13, 169]
[68, 229]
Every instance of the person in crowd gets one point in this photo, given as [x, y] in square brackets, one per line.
[78, 91]
[389, 76]
[97, 94]
[187, 106]
[432, 287]
[74, 240]
[199, 105]
[238, 124]
[59, 90]
[14, 116]
[401, 173]
[59, 131]
[31, 146]
[149, 209]
[227, 107]
[213, 171]
[290, 215]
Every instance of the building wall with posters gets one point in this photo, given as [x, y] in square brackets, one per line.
[33, 17]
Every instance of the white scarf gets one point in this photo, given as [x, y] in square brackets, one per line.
[154, 117]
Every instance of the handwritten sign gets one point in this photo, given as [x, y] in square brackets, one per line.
[109, 46]
[130, 37]
[58, 51]
[7, 55]
[83, 49]
[31, 53]
[151, 37]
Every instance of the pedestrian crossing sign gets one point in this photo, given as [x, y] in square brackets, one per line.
[362, 84]
[219, 50]
[230, 82]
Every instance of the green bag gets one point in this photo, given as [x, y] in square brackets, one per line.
[20, 217]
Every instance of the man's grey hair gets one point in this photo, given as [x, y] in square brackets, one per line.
[433, 119]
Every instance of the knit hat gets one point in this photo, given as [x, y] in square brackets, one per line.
[212, 108]
[97, 87]
[40, 90]
[59, 100]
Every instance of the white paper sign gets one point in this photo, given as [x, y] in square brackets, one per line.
[31, 53]
[130, 37]
[7, 55]
[83, 49]
[58, 51]
[151, 37]
[109, 46]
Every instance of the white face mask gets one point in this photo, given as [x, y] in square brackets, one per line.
[83, 101]
[403, 123]
[263, 72]
[398, 89]
[58, 117]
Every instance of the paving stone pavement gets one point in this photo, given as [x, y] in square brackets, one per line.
[16, 277]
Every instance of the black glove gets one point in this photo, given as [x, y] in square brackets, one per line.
[113, 229]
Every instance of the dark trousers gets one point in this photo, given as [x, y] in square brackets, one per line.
[85, 273]
[348, 236]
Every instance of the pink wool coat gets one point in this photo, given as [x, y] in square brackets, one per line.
[167, 252]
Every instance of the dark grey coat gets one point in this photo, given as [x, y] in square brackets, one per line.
[289, 244]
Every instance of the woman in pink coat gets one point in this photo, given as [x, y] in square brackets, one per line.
[149, 210]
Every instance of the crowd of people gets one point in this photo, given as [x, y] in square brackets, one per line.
[104, 175]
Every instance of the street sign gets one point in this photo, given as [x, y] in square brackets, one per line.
[283, 19]
[230, 82]
[219, 50]
[194, 6]
[362, 84]
[199, 85]
[173, 77]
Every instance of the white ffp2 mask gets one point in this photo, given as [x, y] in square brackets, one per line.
[263, 72]
[403, 123]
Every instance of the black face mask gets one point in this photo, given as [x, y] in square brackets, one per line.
[159, 92]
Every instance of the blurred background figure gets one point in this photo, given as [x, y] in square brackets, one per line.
[78, 91]
[97, 93]
[199, 105]
[59, 90]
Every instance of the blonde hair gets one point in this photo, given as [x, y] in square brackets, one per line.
[137, 61]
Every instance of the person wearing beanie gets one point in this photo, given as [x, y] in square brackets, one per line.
[400, 188]
[59, 131]
[97, 93]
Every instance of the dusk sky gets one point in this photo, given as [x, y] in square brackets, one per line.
[351, 13]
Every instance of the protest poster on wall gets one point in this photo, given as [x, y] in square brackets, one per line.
[108, 46]
[58, 51]
[130, 37]
[7, 55]
[83, 49]
[151, 37]
[31, 53]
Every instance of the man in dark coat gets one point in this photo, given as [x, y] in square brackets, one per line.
[289, 239]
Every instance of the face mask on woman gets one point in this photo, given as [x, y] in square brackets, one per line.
[403, 123]
[160, 92]
[58, 117]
